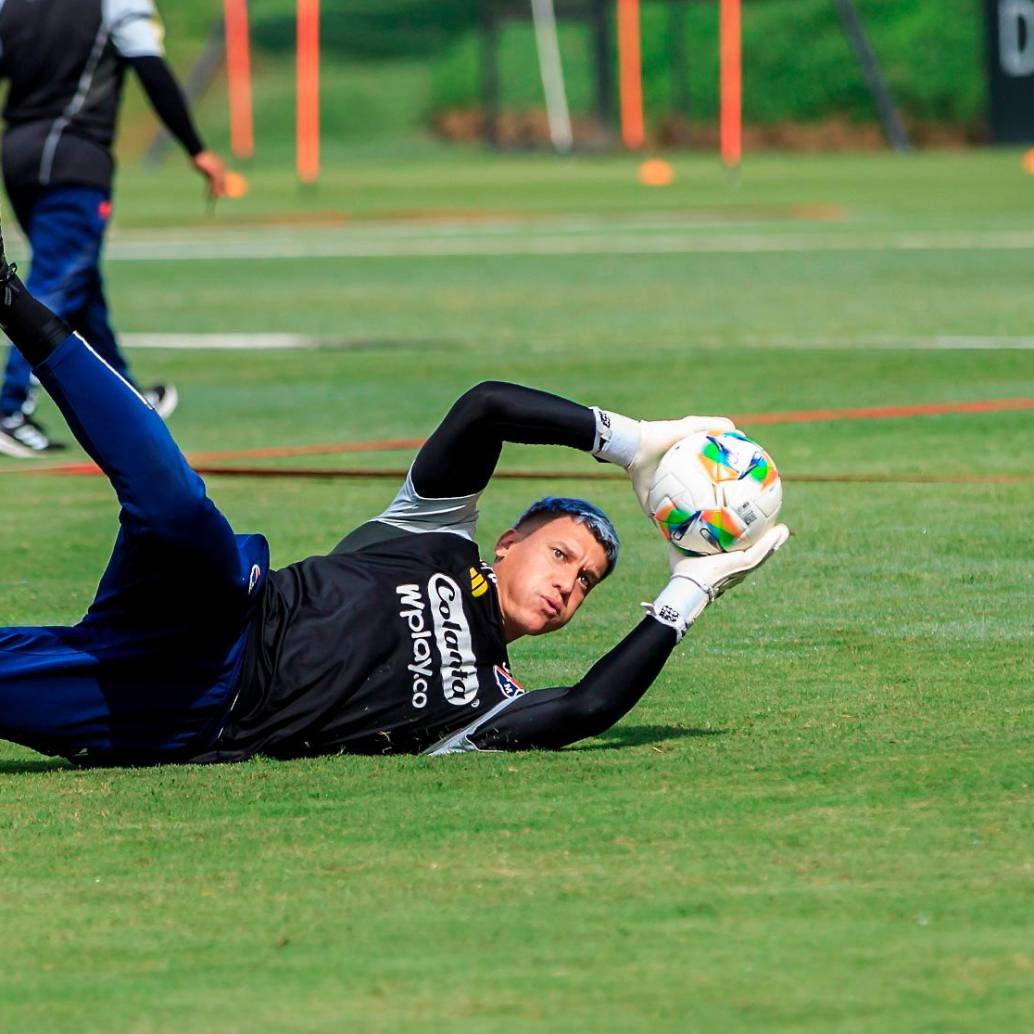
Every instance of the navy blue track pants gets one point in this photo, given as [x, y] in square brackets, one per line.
[150, 672]
[65, 225]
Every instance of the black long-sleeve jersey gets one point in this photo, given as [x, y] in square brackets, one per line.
[66, 62]
[394, 641]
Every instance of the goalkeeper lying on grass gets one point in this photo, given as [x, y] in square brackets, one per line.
[194, 650]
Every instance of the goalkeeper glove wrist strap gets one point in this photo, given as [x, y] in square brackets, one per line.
[680, 603]
[617, 437]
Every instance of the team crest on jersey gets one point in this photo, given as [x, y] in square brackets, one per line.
[507, 684]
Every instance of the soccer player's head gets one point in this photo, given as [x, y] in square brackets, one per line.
[549, 561]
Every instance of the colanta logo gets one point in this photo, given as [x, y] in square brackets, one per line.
[452, 634]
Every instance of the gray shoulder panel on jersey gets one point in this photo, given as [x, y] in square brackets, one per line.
[412, 512]
[460, 742]
[133, 27]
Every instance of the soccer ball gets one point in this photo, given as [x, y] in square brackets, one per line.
[715, 492]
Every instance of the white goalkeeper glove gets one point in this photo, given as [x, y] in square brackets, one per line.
[698, 580]
[639, 445]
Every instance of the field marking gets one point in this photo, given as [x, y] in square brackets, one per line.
[613, 241]
[220, 342]
[207, 462]
[810, 416]
[514, 474]
[312, 342]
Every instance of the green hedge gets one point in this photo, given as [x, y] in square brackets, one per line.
[797, 62]
[389, 65]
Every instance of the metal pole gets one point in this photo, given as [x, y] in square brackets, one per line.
[490, 72]
[677, 42]
[604, 75]
[893, 127]
[552, 71]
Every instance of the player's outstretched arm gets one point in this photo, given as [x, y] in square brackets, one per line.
[459, 458]
[166, 97]
[552, 718]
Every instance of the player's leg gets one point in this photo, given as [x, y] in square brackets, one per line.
[150, 671]
[65, 226]
[163, 501]
[93, 322]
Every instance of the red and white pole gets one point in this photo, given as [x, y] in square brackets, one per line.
[307, 86]
[731, 127]
[630, 74]
[238, 76]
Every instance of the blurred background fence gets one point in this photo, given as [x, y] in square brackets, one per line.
[411, 71]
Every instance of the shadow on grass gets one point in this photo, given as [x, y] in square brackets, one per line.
[31, 765]
[639, 735]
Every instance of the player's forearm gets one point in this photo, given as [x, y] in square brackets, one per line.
[548, 719]
[168, 101]
[459, 458]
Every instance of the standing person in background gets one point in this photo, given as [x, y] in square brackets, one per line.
[65, 61]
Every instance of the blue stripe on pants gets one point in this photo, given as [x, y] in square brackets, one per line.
[149, 673]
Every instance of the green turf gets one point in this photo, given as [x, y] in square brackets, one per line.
[819, 819]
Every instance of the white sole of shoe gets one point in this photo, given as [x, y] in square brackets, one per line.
[10, 447]
[168, 405]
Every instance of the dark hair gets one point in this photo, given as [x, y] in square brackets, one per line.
[584, 513]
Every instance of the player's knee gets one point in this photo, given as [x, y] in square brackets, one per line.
[173, 507]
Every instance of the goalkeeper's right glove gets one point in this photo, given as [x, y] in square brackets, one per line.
[698, 580]
[639, 445]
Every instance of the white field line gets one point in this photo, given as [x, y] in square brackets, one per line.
[658, 232]
[531, 246]
[932, 343]
[906, 342]
[344, 246]
[228, 342]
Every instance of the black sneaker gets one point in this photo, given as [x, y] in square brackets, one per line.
[163, 399]
[24, 439]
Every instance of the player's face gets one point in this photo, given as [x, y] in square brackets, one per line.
[544, 572]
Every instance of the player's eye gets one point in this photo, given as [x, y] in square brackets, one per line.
[586, 582]
[559, 553]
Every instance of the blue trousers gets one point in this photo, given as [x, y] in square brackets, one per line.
[65, 226]
[149, 674]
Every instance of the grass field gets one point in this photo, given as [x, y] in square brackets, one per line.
[819, 819]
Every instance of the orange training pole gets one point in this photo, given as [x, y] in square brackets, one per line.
[308, 90]
[732, 84]
[630, 74]
[238, 75]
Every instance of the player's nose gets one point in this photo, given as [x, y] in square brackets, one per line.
[563, 582]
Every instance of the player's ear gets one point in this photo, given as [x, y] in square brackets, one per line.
[506, 541]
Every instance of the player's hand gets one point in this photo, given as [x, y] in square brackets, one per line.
[657, 437]
[213, 168]
[715, 574]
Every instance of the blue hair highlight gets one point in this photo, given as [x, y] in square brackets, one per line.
[583, 512]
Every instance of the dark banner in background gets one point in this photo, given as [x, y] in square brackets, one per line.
[1010, 70]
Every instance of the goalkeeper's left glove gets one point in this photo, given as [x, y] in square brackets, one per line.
[639, 445]
[698, 580]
